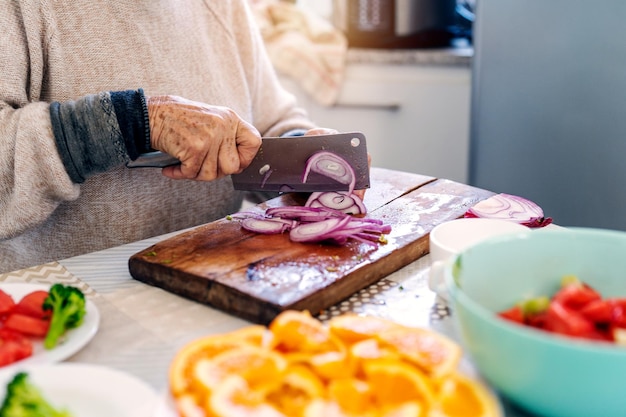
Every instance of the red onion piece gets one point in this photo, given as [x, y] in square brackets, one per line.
[332, 166]
[266, 226]
[337, 200]
[315, 224]
[326, 216]
[510, 207]
[317, 231]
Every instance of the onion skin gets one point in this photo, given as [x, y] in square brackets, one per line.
[512, 208]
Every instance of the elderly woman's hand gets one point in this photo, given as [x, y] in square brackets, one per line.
[210, 141]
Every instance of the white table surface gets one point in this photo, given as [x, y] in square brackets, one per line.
[142, 326]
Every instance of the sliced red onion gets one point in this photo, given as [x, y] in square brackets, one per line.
[337, 200]
[510, 207]
[298, 212]
[332, 166]
[326, 216]
[315, 224]
[266, 226]
[317, 231]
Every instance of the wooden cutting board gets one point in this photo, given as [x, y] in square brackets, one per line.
[257, 276]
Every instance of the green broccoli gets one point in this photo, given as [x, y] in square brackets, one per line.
[68, 311]
[24, 399]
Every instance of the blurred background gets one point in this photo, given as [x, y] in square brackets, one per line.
[520, 97]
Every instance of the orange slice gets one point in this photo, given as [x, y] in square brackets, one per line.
[332, 364]
[207, 347]
[461, 396]
[367, 350]
[353, 395]
[298, 388]
[325, 408]
[406, 409]
[432, 352]
[234, 398]
[395, 382]
[352, 328]
[186, 406]
[298, 331]
[256, 365]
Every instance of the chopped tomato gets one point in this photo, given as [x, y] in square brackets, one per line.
[564, 320]
[6, 303]
[14, 346]
[32, 305]
[598, 311]
[538, 320]
[576, 295]
[576, 310]
[27, 325]
[514, 314]
[618, 318]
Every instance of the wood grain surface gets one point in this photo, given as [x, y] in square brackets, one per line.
[257, 276]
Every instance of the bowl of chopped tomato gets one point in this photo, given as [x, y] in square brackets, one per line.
[542, 315]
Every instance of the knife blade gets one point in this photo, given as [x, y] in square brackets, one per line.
[280, 163]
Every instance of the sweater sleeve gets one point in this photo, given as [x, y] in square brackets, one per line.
[100, 131]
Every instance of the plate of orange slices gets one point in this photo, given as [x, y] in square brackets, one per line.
[352, 365]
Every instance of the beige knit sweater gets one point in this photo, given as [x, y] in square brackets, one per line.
[204, 50]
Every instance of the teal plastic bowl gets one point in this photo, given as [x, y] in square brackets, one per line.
[546, 374]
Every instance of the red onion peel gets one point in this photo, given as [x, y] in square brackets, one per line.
[335, 167]
[332, 166]
[510, 207]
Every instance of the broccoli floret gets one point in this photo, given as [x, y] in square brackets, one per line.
[23, 399]
[68, 311]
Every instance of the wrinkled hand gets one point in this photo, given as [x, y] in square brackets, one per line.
[327, 131]
[210, 141]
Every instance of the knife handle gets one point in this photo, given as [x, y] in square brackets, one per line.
[156, 159]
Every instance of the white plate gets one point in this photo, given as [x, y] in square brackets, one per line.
[89, 390]
[75, 339]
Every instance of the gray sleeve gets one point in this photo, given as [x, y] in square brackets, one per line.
[88, 135]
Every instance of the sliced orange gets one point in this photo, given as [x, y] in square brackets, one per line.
[367, 350]
[257, 365]
[406, 409]
[332, 364]
[186, 406]
[352, 328]
[299, 386]
[395, 382]
[207, 347]
[461, 396]
[298, 331]
[234, 398]
[433, 352]
[353, 395]
[325, 408]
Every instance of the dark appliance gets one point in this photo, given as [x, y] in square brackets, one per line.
[400, 23]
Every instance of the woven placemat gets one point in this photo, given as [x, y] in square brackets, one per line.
[50, 273]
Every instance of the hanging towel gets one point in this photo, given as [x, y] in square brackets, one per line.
[303, 46]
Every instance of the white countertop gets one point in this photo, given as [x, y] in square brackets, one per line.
[458, 56]
[142, 327]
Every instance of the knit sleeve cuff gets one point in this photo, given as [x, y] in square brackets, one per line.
[131, 111]
[88, 136]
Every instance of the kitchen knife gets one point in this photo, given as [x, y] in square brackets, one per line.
[280, 162]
